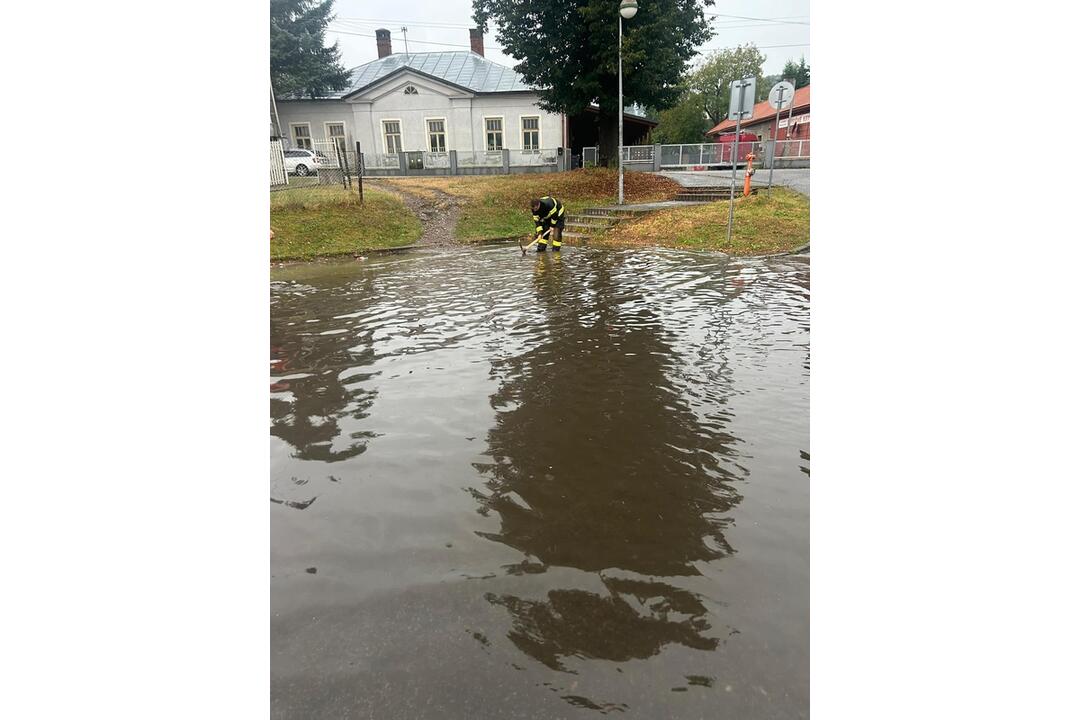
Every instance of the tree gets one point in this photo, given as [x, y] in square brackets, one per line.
[713, 79]
[568, 50]
[799, 74]
[685, 122]
[300, 64]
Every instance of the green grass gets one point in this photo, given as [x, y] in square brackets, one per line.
[497, 205]
[493, 218]
[325, 221]
[763, 225]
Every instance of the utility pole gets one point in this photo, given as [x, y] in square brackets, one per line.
[405, 32]
[273, 106]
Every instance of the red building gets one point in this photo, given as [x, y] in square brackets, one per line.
[763, 121]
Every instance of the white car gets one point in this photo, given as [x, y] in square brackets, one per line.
[304, 162]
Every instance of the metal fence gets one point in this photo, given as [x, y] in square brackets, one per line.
[793, 149]
[638, 154]
[590, 156]
[706, 154]
[711, 156]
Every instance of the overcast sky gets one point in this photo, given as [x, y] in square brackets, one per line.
[447, 22]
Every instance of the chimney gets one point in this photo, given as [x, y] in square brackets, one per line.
[476, 39]
[382, 40]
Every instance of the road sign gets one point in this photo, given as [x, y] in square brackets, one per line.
[779, 100]
[742, 103]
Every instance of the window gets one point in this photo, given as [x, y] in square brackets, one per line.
[302, 136]
[437, 135]
[494, 133]
[392, 131]
[336, 132]
[410, 90]
[530, 133]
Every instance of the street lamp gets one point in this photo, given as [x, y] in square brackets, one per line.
[627, 9]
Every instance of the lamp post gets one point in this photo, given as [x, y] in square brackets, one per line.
[627, 9]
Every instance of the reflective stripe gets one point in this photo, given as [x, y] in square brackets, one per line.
[557, 243]
[539, 229]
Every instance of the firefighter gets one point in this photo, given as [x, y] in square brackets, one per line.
[548, 214]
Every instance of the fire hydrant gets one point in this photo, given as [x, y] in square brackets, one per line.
[749, 172]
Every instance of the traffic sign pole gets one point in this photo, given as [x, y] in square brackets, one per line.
[735, 158]
[775, 136]
[776, 99]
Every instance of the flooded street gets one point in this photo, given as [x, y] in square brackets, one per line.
[540, 487]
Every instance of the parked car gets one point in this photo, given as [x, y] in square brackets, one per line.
[304, 162]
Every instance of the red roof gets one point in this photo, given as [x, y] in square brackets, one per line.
[763, 111]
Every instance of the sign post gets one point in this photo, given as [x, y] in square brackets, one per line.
[741, 105]
[781, 92]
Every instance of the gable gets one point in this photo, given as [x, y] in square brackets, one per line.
[402, 77]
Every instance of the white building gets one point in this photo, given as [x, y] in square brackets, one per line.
[430, 103]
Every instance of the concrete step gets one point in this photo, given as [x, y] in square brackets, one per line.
[701, 197]
[575, 224]
[611, 212]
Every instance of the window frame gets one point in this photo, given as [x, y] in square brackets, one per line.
[501, 131]
[521, 124]
[344, 133]
[296, 138]
[444, 133]
[400, 135]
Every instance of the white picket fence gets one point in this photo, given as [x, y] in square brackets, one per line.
[278, 176]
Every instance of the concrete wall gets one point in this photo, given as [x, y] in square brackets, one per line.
[463, 113]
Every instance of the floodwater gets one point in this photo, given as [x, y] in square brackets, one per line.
[540, 487]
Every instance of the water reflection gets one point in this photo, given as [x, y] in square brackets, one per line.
[318, 383]
[634, 621]
[597, 464]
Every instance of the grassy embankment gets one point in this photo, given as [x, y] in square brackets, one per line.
[763, 225]
[326, 221]
[497, 205]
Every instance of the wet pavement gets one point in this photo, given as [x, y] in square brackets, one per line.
[797, 179]
[551, 486]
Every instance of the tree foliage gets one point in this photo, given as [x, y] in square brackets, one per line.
[712, 81]
[568, 50]
[797, 73]
[300, 64]
[684, 122]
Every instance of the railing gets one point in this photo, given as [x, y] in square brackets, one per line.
[642, 154]
[278, 176]
[793, 149]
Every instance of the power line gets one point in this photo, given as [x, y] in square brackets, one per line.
[780, 21]
[501, 50]
[415, 42]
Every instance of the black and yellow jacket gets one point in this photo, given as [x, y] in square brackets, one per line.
[549, 214]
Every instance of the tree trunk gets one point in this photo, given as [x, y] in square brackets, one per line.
[608, 129]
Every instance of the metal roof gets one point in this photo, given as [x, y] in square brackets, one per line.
[461, 68]
[464, 69]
